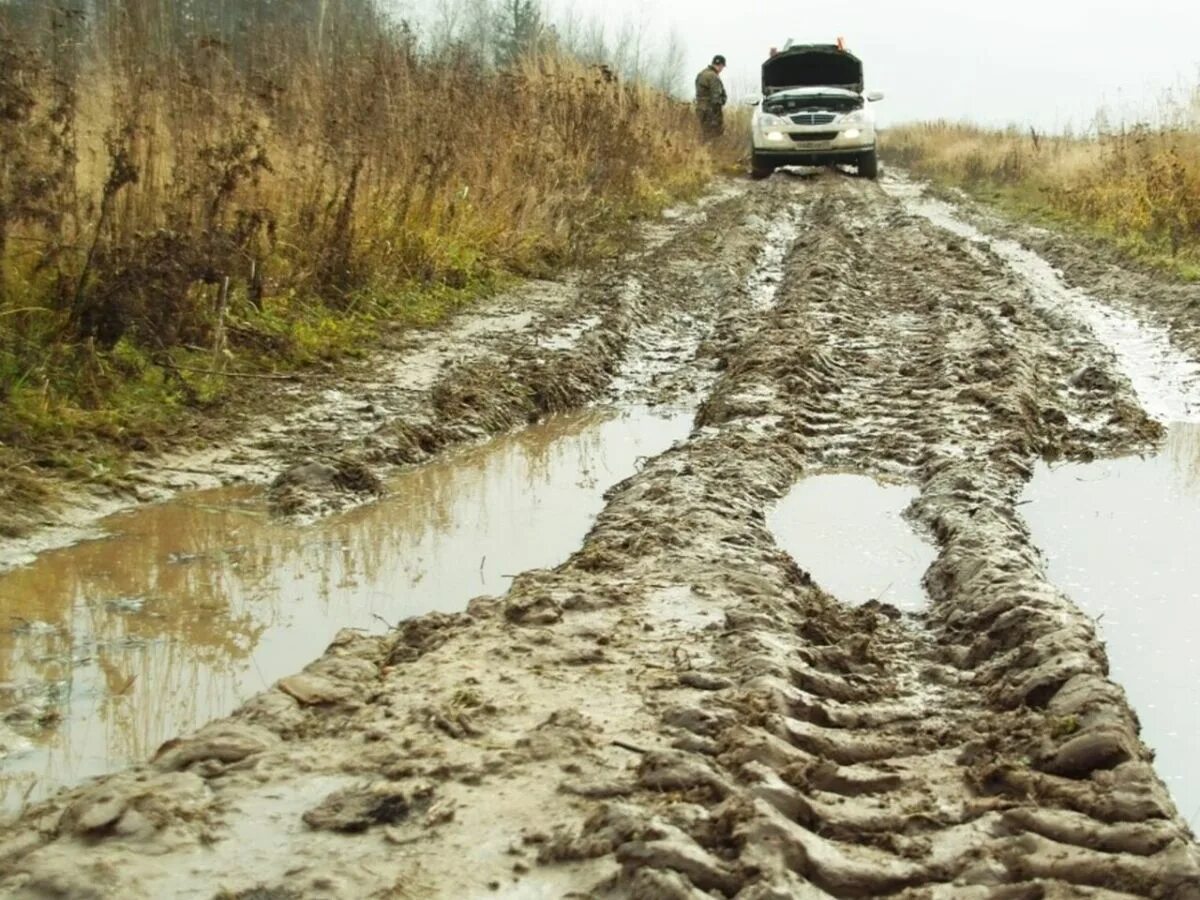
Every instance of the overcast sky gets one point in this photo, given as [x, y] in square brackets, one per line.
[1048, 63]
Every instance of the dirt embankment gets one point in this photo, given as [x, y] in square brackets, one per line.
[679, 711]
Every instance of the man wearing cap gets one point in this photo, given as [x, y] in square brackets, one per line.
[710, 99]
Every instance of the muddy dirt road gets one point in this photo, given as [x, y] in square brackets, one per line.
[683, 708]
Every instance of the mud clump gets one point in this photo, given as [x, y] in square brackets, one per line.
[1093, 378]
[221, 742]
[319, 487]
[356, 809]
[130, 807]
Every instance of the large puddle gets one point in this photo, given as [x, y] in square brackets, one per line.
[849, 533]
[185, 609]
[1119, 537]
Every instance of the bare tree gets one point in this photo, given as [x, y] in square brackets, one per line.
[519, 28]
[621, 54]
[569, 27]
[594, 42]
[669, 71]
[464, 25]
[447, 19]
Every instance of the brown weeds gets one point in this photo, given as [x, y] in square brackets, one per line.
[176, 185]
[1140, 184]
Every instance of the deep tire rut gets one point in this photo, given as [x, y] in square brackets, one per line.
[679, 711]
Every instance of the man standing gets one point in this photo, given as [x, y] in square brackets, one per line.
[710, 99]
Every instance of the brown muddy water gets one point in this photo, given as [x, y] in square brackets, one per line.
[849, 532]
[1119, 536]
[185, 609]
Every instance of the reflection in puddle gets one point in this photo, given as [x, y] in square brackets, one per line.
[847, 531]
[190, 607]
[1120, 537]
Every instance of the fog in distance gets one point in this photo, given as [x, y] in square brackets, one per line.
[1043, 63]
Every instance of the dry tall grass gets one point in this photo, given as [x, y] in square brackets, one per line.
[175, 194]
[1139, 184]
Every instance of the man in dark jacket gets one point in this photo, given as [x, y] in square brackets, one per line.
[710, 99]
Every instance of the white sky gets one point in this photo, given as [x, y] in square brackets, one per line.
[1047, 63]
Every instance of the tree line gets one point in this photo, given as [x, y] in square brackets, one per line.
[494, 33]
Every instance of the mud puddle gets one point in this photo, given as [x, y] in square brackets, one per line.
[1119, 537]
[185, 609]
[849, 533]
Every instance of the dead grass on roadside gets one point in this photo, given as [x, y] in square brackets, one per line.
[177, 204]
[22, 493]
[1140, 185]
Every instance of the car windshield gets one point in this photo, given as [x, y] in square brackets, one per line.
[782, 104]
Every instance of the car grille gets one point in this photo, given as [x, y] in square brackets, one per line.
[814, 135]
[813, 118]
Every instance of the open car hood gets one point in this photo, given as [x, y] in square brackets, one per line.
[812, 65]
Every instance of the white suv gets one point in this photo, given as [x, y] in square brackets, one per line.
[813, 112]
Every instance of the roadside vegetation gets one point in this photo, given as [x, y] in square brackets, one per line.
[1136, 185]
[194, 191]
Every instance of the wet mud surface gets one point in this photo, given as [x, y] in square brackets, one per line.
[682, 709]
[187, 609]
[1090, 265]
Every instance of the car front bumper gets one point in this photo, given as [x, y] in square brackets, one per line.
[797, 157]
[810, 146]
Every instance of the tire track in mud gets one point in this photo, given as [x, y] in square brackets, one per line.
[998, 705]
[630, 335]
[1088, 264]
[1146, 344]
[679, 711]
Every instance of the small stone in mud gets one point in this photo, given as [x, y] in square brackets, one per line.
[597, 790]
[1052, 416]
[1093, 378]
[130, 806]
[702, 681]
[674, 771]
[1101, 748]
[223, 742]
[538, 610]
[589, 657]
[261, 892]
[314, 484]
[356, 809]
[313, 690]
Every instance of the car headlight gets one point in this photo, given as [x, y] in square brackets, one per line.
[857, 116]
[766, 120]
[851, 133]
[775, 135]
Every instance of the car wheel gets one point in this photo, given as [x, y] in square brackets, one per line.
[868, 165]
[759, 169]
